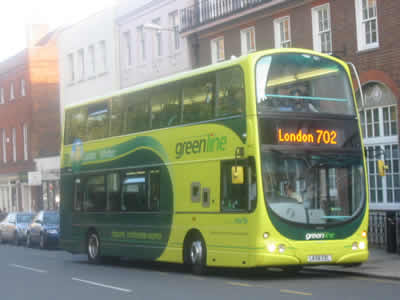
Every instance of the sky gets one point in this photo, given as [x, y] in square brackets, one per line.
[15, 15]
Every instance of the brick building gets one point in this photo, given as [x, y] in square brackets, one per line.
[359, 31]
[30, 125]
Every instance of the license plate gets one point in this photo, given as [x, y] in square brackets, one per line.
[319, 258]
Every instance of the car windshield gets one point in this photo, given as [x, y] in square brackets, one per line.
[52, 219]
[24, 218]
[294, 82]
[311, 188]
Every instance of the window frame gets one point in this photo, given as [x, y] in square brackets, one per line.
[81, 64]
[245, 47]
[361, 33]
[174, 24]
[14, 143]
[1, 95]
[317, 34]
[4, 144]
[216, 54]
[12, 94]
[71, 67]
[279, 41]
[25, 137]
[23, 87]
[127, 36]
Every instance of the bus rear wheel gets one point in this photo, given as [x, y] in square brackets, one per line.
[197, 255]
[93, 248]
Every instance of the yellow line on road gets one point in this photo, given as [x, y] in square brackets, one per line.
[296, 292]
[239, 284]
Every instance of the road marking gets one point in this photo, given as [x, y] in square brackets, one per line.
[102, 285]
[194, 277]
[375, 279]
[28, 268]
[239, 284]
[296, 292]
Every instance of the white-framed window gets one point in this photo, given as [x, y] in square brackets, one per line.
[321, 25]
[379, 123]
[127, 40]
[81, 64]
[248, 40]
[282, 32]
[103, 57]
[142, 42]
[4, 144]
[23, 88]
[158, 37]
[71, 67]
[91, 61]
[217, 50]
[25, 135]
[1, 95]
[367, 24]
[174, 25]
[12, 95]
[14, 144]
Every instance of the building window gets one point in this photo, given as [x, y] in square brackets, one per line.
[23, 88]
[12, 95]
[142, 42]
[1, 95]
[25, 135]
[158, 38]
[14, 144]
[4, 144]
[217, 50]
[71, 67]
[367, 24]
[103, 57]
[282, 32]
[321, 23]
[81, 64]
[248, 40]
[174, 24]
[380, 132]
[128, 47]
[92, 61]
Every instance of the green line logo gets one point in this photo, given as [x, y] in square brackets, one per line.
[209, 143]
[320, 236]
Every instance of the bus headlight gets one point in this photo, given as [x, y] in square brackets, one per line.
[281, 248]
[271, 248]
[361, 245]
[354, 246]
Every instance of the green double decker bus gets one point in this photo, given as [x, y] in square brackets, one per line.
[252, 162]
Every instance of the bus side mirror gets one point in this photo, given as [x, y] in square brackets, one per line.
[382, 168]
[237, 175]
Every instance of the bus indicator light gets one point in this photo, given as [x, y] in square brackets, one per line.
[364, 234]
[318, 136]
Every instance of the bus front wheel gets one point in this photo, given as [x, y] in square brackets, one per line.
[93, 248]
[197, 254]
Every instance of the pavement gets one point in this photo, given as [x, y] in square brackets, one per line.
[380, 264]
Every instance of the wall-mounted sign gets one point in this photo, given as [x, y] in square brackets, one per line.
[35, 178]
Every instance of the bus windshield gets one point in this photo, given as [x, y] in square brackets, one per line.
[308, 188]
[294, 82]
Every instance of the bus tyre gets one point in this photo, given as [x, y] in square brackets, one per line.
[93, 248]
[198, 255]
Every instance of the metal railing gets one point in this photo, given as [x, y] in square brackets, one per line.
[206, 11]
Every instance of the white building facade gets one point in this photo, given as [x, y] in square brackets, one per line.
[87, 52]
[150, 46]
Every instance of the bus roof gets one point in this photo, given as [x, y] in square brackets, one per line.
[194, 72]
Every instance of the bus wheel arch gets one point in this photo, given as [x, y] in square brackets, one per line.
[195, 252]
[93, 246]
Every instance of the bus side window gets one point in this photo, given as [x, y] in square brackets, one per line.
[165, 106]
[78, 201]
[230, 92]
[117, 117]
[96, 198]
[77, 122]
[198, 98]
[136, 113]
[113, 192]
[98, 120]
[134, 196]
[155, 185]
[234, 197]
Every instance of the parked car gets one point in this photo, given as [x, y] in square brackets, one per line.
[13, 228]
[44, 230]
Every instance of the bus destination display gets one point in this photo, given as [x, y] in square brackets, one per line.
[310, 136]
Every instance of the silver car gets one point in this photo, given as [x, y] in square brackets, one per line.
[13, 228]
